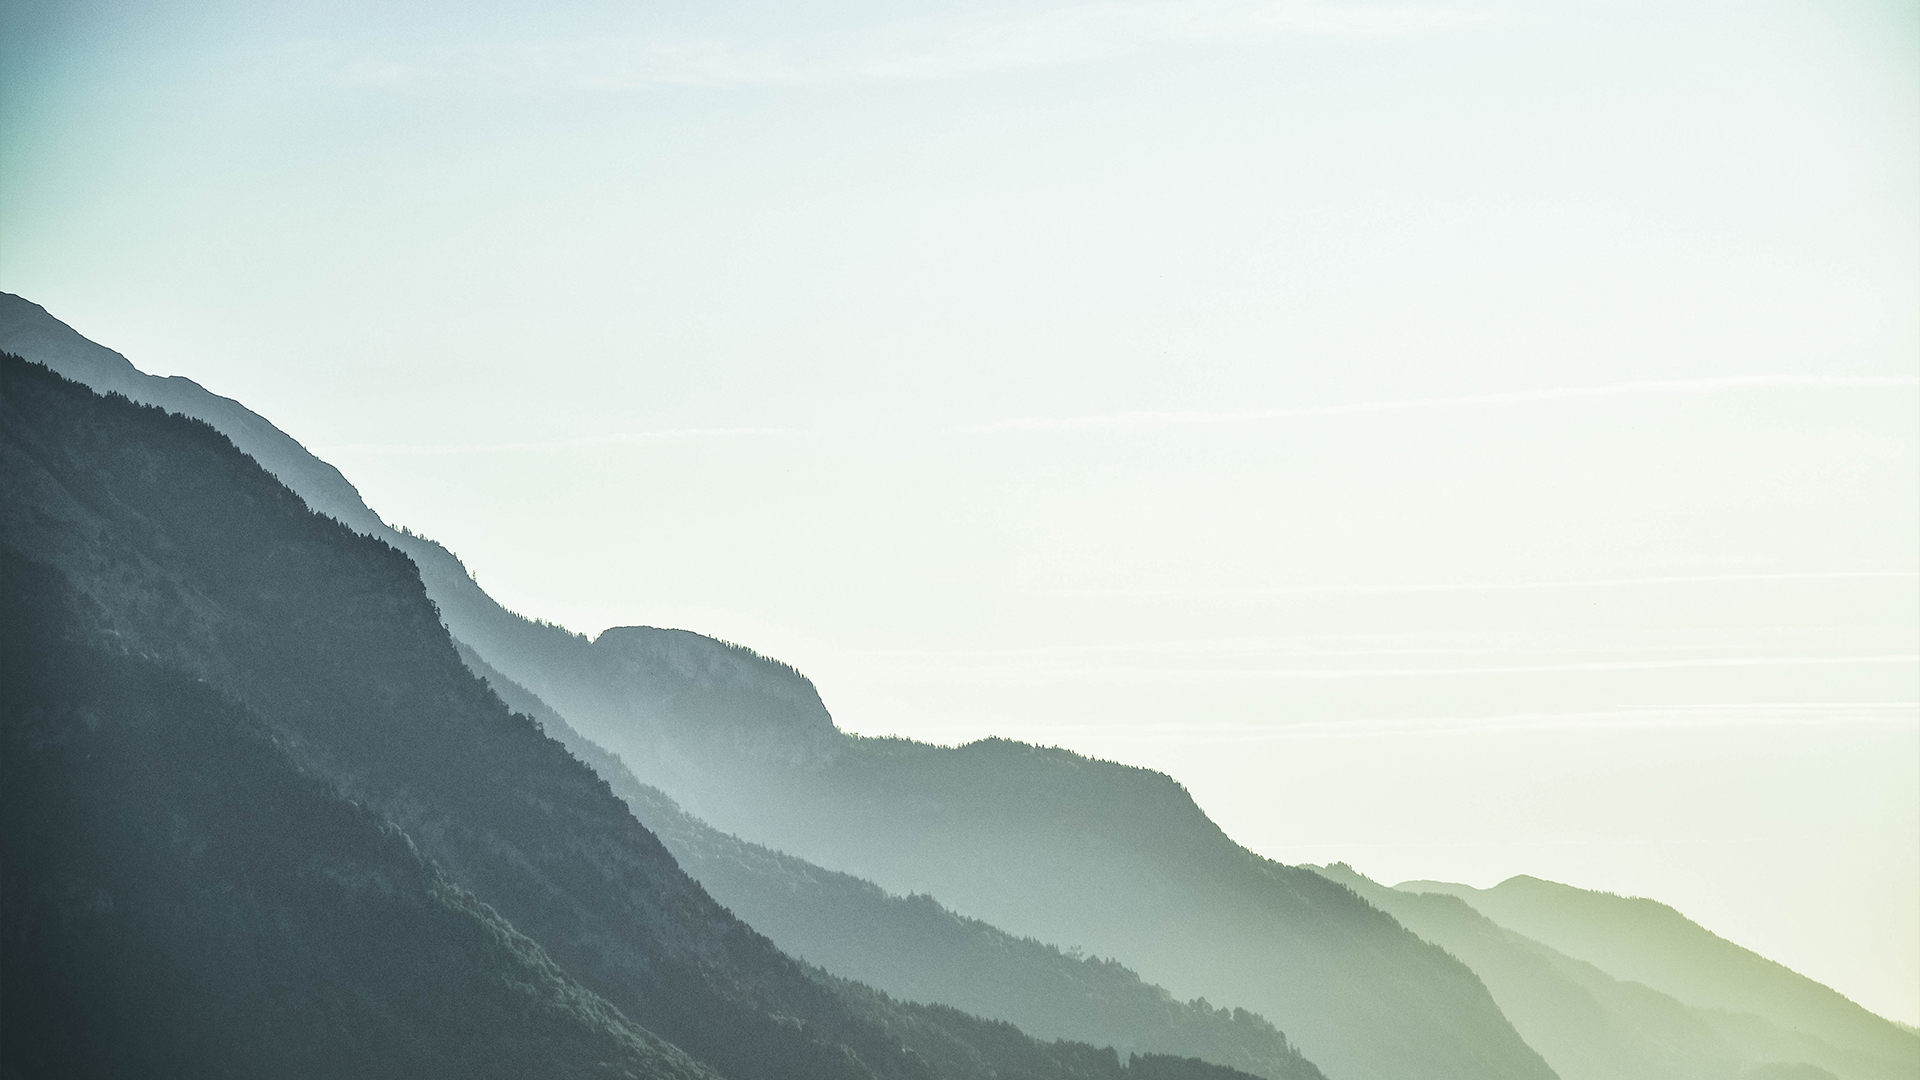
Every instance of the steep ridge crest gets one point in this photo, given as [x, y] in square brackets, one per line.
[1039, 842]
[198, 561]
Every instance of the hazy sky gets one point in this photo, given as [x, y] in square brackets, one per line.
[1463, 439]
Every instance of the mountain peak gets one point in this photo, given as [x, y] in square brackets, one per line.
[706, 688]
[710, 663]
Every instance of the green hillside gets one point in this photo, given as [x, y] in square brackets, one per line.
[1647, 942]
[1592, 1026]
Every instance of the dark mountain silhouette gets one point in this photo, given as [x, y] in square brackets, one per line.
[246, 748]
[1042, 843]
[29, 331]
[26, 330]
[182, 900]
[915, 949]
[1592, 1026]
[1647, 942]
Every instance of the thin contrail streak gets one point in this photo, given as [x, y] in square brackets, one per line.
[1278, 646]
[1493, 586]
[1643, 388]
[1139, 674]
[1500, 725]
[1809, 714]
[581, 442]
[1648, 388]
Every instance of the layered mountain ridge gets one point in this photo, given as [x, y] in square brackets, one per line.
[937, 874]
[1642, 941]
[1047, 844]
[1592, 1024]
[1359, 995]
[915, 949]
[359, 835]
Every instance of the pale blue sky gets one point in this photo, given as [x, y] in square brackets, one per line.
[1463, 439]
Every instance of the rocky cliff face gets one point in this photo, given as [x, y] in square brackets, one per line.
[716, 696]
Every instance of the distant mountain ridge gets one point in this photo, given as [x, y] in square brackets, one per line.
[717, 695]
[1112, 850]
[1647, 942]
[360, 860]
[1047, 844]
[708, 722]
[198, 560]
[1591, 1025]
[1362, 996]
[917, 950]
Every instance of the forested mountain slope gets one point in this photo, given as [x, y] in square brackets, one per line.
[1592, 1026]
[1040, 843]
[29, 331]
[181, 900]
[27, 328]
[184, 556]
[1647, 942]
[917, 950]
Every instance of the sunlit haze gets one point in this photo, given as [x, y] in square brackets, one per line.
[1458, 439]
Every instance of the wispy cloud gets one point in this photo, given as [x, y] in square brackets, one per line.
[1109, 674]
[1877, 714]
[574, 443]
[1189, 418]
[1094, 31]
[1448, 644]
[939, 47]
[1643, 388]
[1500, 586]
